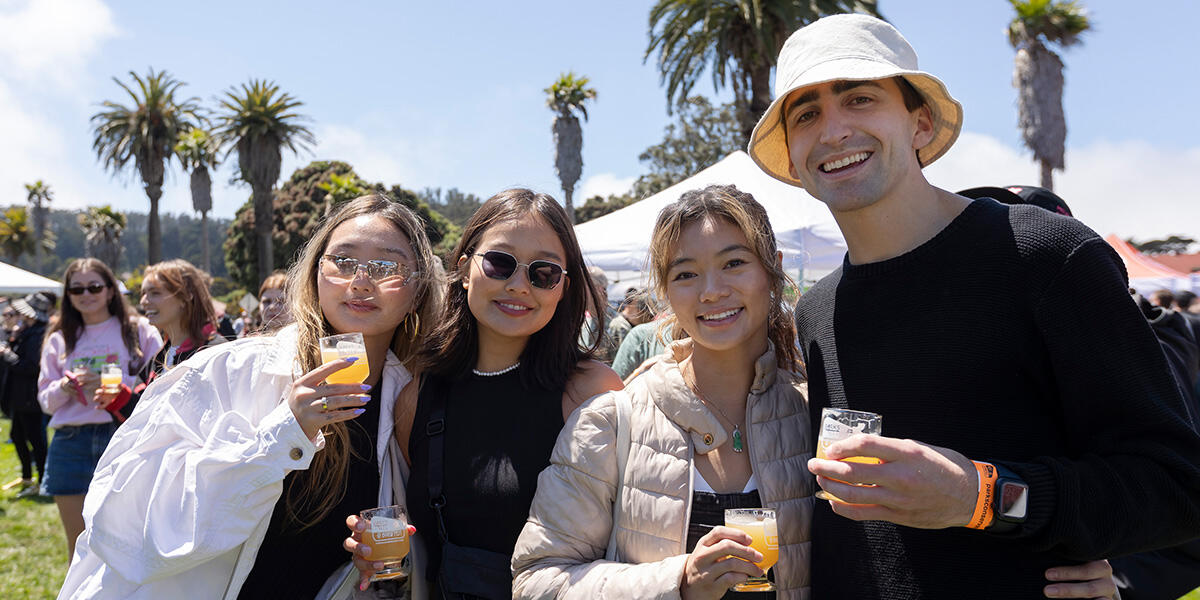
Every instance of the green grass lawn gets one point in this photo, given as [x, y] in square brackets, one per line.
[33, 548]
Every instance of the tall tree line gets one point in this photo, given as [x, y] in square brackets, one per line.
[181, 239]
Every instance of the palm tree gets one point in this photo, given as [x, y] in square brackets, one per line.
[565, 96]
[102, 229]
[144, 134]
[16, 235]
[197, 151]
[1038, 76]
[258, 122]
[38, 195]
[738, 40]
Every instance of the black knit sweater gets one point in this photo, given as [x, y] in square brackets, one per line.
[1009, 337]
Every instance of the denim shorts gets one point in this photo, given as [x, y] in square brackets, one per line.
[74, 452]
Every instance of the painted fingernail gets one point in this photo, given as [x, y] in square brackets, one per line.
[364, 387]
[362, 587]
[362, 399]
[411, 530]
[351, 359]
[359, 411]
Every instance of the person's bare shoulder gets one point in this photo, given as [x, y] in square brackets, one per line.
[592, 378]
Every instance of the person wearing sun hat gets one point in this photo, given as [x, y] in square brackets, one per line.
[976, 329]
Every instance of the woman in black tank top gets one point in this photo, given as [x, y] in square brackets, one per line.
[502, 371]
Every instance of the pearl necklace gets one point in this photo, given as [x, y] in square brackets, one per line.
[495, 373]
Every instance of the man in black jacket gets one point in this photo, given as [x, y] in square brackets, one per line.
[979, 331]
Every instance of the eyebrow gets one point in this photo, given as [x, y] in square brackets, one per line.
[725, 250]
[349, 246]
[839, 87]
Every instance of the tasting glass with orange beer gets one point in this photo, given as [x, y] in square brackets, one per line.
[110, 378]
[345, 345]
[760, 524]
[838, 424]
[387, 536]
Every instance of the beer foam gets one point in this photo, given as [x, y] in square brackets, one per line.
[386, 524]
[348, 347]
[744, 519]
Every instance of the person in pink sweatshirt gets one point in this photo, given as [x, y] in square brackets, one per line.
[95, 327]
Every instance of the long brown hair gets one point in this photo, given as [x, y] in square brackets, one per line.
[552, 353]
[315, 491]
[190, 285]
[744, 212]
[70, 321]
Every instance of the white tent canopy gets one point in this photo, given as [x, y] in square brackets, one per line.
[805, 231]
[16, 281]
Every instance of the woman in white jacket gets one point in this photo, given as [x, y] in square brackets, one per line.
[237, 464]
[719, 421]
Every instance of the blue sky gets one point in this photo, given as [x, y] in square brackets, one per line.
[450, 95]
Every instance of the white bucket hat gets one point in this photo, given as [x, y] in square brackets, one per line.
[856, 48]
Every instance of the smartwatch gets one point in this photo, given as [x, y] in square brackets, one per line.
[1003, 501]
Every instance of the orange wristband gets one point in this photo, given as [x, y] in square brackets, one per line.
[982, 517]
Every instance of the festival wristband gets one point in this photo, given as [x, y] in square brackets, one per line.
[983, 515]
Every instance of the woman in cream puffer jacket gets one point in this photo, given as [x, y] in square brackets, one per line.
[561, 550]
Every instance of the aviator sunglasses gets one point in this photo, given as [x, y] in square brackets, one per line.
[94, 288]
[501, 265]
[377, 270]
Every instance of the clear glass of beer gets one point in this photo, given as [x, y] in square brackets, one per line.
[840, 423]
[760, 524]
[110, 378]
[345, 345]
[387, 535]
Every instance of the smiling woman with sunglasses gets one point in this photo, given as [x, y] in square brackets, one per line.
[233, 477]
[503, 371]
[96, 327]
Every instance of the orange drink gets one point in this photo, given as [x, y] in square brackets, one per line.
[760, 524]
[345, 345]
[838, 424]
[387, 535]
[110, 378]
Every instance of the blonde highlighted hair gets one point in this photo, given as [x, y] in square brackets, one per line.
[739, 208]
[314, 492]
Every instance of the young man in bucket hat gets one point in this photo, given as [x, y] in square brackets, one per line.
[1029, 417]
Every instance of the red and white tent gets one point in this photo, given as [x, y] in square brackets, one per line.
[1147, 275]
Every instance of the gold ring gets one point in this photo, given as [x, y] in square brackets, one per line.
[324, 404]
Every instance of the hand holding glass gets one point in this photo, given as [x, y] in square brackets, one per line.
[760, 524]
[387, 535]
[341, 346]
[838, 424]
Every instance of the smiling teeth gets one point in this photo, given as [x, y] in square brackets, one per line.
[513, 306]
[844, 162]
[720, 315]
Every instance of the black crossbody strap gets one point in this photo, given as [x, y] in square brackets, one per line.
[435, 430]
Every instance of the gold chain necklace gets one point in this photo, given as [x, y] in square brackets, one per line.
[737, 430]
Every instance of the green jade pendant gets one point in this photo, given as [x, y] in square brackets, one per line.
[737, 439]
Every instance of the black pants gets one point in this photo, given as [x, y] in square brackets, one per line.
[29, 434]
